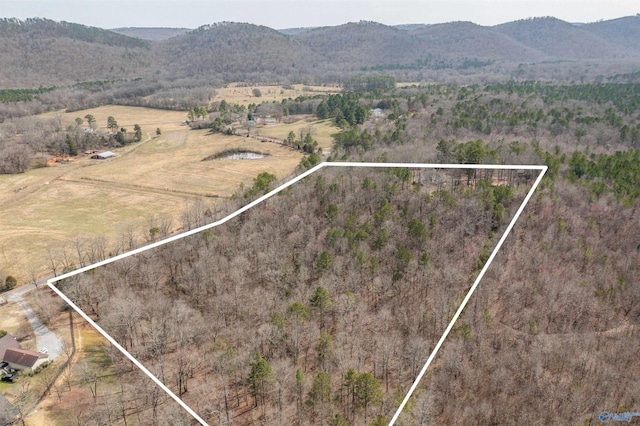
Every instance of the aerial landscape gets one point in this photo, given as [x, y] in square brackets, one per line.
[370, 218]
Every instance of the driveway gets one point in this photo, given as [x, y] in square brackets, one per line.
[45, 338]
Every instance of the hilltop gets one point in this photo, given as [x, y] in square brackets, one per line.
[151, 34]
[41, 52]
[63, 53]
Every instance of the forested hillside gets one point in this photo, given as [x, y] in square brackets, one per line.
[237, 51]
[560, 40]
[624, 31]
[326, 310]
[40, 52]
[151, 34]
[320, 305]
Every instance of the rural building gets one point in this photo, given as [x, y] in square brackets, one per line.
[22, 359]
[8, 342]
[377, 113]
[103, 155]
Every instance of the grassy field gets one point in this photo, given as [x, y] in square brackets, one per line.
[238, 94]
[48, 208]
[320, 130]
[147, 118]
[12, 319]
[173, 164]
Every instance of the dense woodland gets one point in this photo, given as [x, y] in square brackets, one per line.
[320, 305]
[320, 311]
[341, 286]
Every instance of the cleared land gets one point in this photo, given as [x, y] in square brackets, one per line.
[320, 130]
[48, 208]
[148, 118]
[237, 93]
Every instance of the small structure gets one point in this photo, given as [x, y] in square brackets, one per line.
[103, 155]
[22, 359]
[377, 113]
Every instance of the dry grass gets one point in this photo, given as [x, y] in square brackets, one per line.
[172, 164]
[238, 94]
[11, 318]
[147, 118]
[320, 130]
[48, 207]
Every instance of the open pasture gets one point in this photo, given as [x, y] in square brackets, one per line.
[48, 208]
[238, 93]
[321, 131]
[148, 119]
[173, 164]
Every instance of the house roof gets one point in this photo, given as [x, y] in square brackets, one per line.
[22, 357]
[8, 341]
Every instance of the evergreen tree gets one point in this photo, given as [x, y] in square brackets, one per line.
[260, 378]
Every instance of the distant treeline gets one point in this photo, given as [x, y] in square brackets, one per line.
[22, 95]
[432, 63]
[625, 96]
[370, 83]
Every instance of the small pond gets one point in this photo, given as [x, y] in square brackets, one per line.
[236, 154]
[246, 155]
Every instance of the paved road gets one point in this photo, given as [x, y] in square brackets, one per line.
[45, 338]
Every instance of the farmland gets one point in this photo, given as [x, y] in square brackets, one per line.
[239, 93]
[46, 210]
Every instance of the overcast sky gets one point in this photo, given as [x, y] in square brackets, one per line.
[280, 14]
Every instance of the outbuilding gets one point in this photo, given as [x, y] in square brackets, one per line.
[103, 155]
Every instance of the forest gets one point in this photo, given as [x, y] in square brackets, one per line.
[320, 305]
[337, 326]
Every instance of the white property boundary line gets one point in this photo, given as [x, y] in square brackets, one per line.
[541, 169]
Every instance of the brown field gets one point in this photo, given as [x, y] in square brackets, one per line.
[11, 318]
[47, 208]
[320, 130]
[147, 118]
[238, 94]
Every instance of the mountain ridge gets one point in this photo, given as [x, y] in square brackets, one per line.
[40, 51]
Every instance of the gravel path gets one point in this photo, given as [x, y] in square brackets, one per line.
[45, 338]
